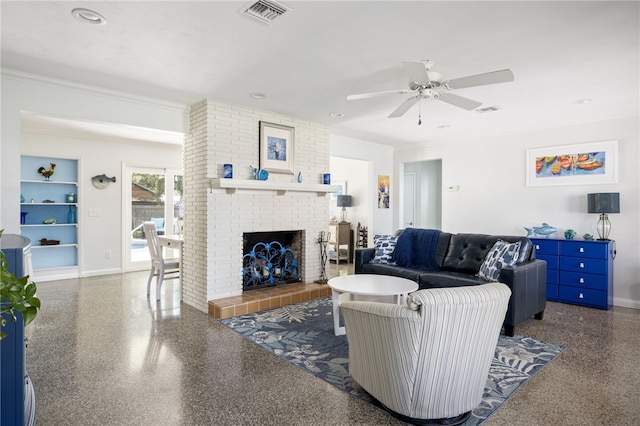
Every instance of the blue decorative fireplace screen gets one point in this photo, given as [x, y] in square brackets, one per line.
[267, 264]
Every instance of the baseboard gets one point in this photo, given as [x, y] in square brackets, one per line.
[626, 303]
[101, 272]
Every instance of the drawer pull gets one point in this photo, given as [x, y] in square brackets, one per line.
[581, 280]
[581, 296]
[581, 250]
[581, 265]
[537, 246]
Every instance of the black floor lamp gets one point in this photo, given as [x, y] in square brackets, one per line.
[603, 203]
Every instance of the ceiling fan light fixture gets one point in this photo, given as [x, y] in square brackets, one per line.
[88, 16]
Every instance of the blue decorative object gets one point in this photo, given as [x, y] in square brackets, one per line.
[569, 234]
[326, 178]
[545, 230]
[260, 174]
[227, 171]
[587, 237]
[267, 264]
[299, 177]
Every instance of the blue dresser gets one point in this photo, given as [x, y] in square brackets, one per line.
[579, 272]
[17, 394]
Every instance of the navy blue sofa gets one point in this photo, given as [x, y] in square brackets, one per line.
[459, 257]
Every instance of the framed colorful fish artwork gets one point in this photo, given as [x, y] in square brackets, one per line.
[580, 164]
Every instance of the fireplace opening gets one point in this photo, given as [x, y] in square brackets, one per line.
[270, 259]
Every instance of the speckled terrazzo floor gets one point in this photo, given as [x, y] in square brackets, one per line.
[100, 353]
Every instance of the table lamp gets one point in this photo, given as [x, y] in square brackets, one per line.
[603, 203]
[344, 201]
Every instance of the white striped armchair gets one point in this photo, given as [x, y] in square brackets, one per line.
[430, 359]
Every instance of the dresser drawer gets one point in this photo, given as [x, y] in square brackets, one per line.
[584, 249]
[588, 297]
[578, 264]
[552, 261]
[582, 280]
[546, 247]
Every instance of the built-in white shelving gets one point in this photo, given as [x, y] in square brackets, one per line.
[50, 261]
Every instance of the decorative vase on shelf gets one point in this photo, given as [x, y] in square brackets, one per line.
[299, 177]
[21, 198]
[71, 216]
[569, 234]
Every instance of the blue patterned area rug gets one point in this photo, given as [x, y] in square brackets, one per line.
[302, 334]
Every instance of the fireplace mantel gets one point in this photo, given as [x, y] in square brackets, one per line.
[281, 188]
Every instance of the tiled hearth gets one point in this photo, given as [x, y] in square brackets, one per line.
[268, 298]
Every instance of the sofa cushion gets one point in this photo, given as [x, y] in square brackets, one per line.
[384, 246]
[439, 279]
[466, 252]
[393, 270]
[501, 254]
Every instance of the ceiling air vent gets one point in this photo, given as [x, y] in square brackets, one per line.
[487, 109]
[264, 11]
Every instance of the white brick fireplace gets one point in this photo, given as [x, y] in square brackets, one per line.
[215, 219]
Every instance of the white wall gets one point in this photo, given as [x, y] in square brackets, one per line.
[494, 199]
[380, 161]
[355, 174]
[96, 156]
[55, 98]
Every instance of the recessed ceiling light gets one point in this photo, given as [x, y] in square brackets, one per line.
[583, 101]
[89, 16]
[258, 95]
[444, 126]
[336, 114]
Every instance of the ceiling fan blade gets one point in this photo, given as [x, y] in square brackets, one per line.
[494, 77]
[459, 101]
[374, 94]
[417, 71]
[406, 106]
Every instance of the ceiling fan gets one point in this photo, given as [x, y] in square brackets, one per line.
[425, 83]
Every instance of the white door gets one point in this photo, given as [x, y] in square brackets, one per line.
[409, 200]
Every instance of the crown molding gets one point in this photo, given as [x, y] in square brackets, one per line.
[39, 79]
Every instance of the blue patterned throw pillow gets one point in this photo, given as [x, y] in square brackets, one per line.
[384, 245]
[501, 254]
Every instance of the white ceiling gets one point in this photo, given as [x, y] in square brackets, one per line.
[308, 60]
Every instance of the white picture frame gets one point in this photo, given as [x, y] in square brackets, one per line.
[579, 164]
[342, 189]
[276, 148]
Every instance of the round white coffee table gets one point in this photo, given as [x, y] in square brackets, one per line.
[367, 285]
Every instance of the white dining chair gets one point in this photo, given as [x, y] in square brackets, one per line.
[161, 268]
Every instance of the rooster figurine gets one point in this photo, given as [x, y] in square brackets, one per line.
[47, 173]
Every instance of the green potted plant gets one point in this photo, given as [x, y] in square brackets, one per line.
[16, 295]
